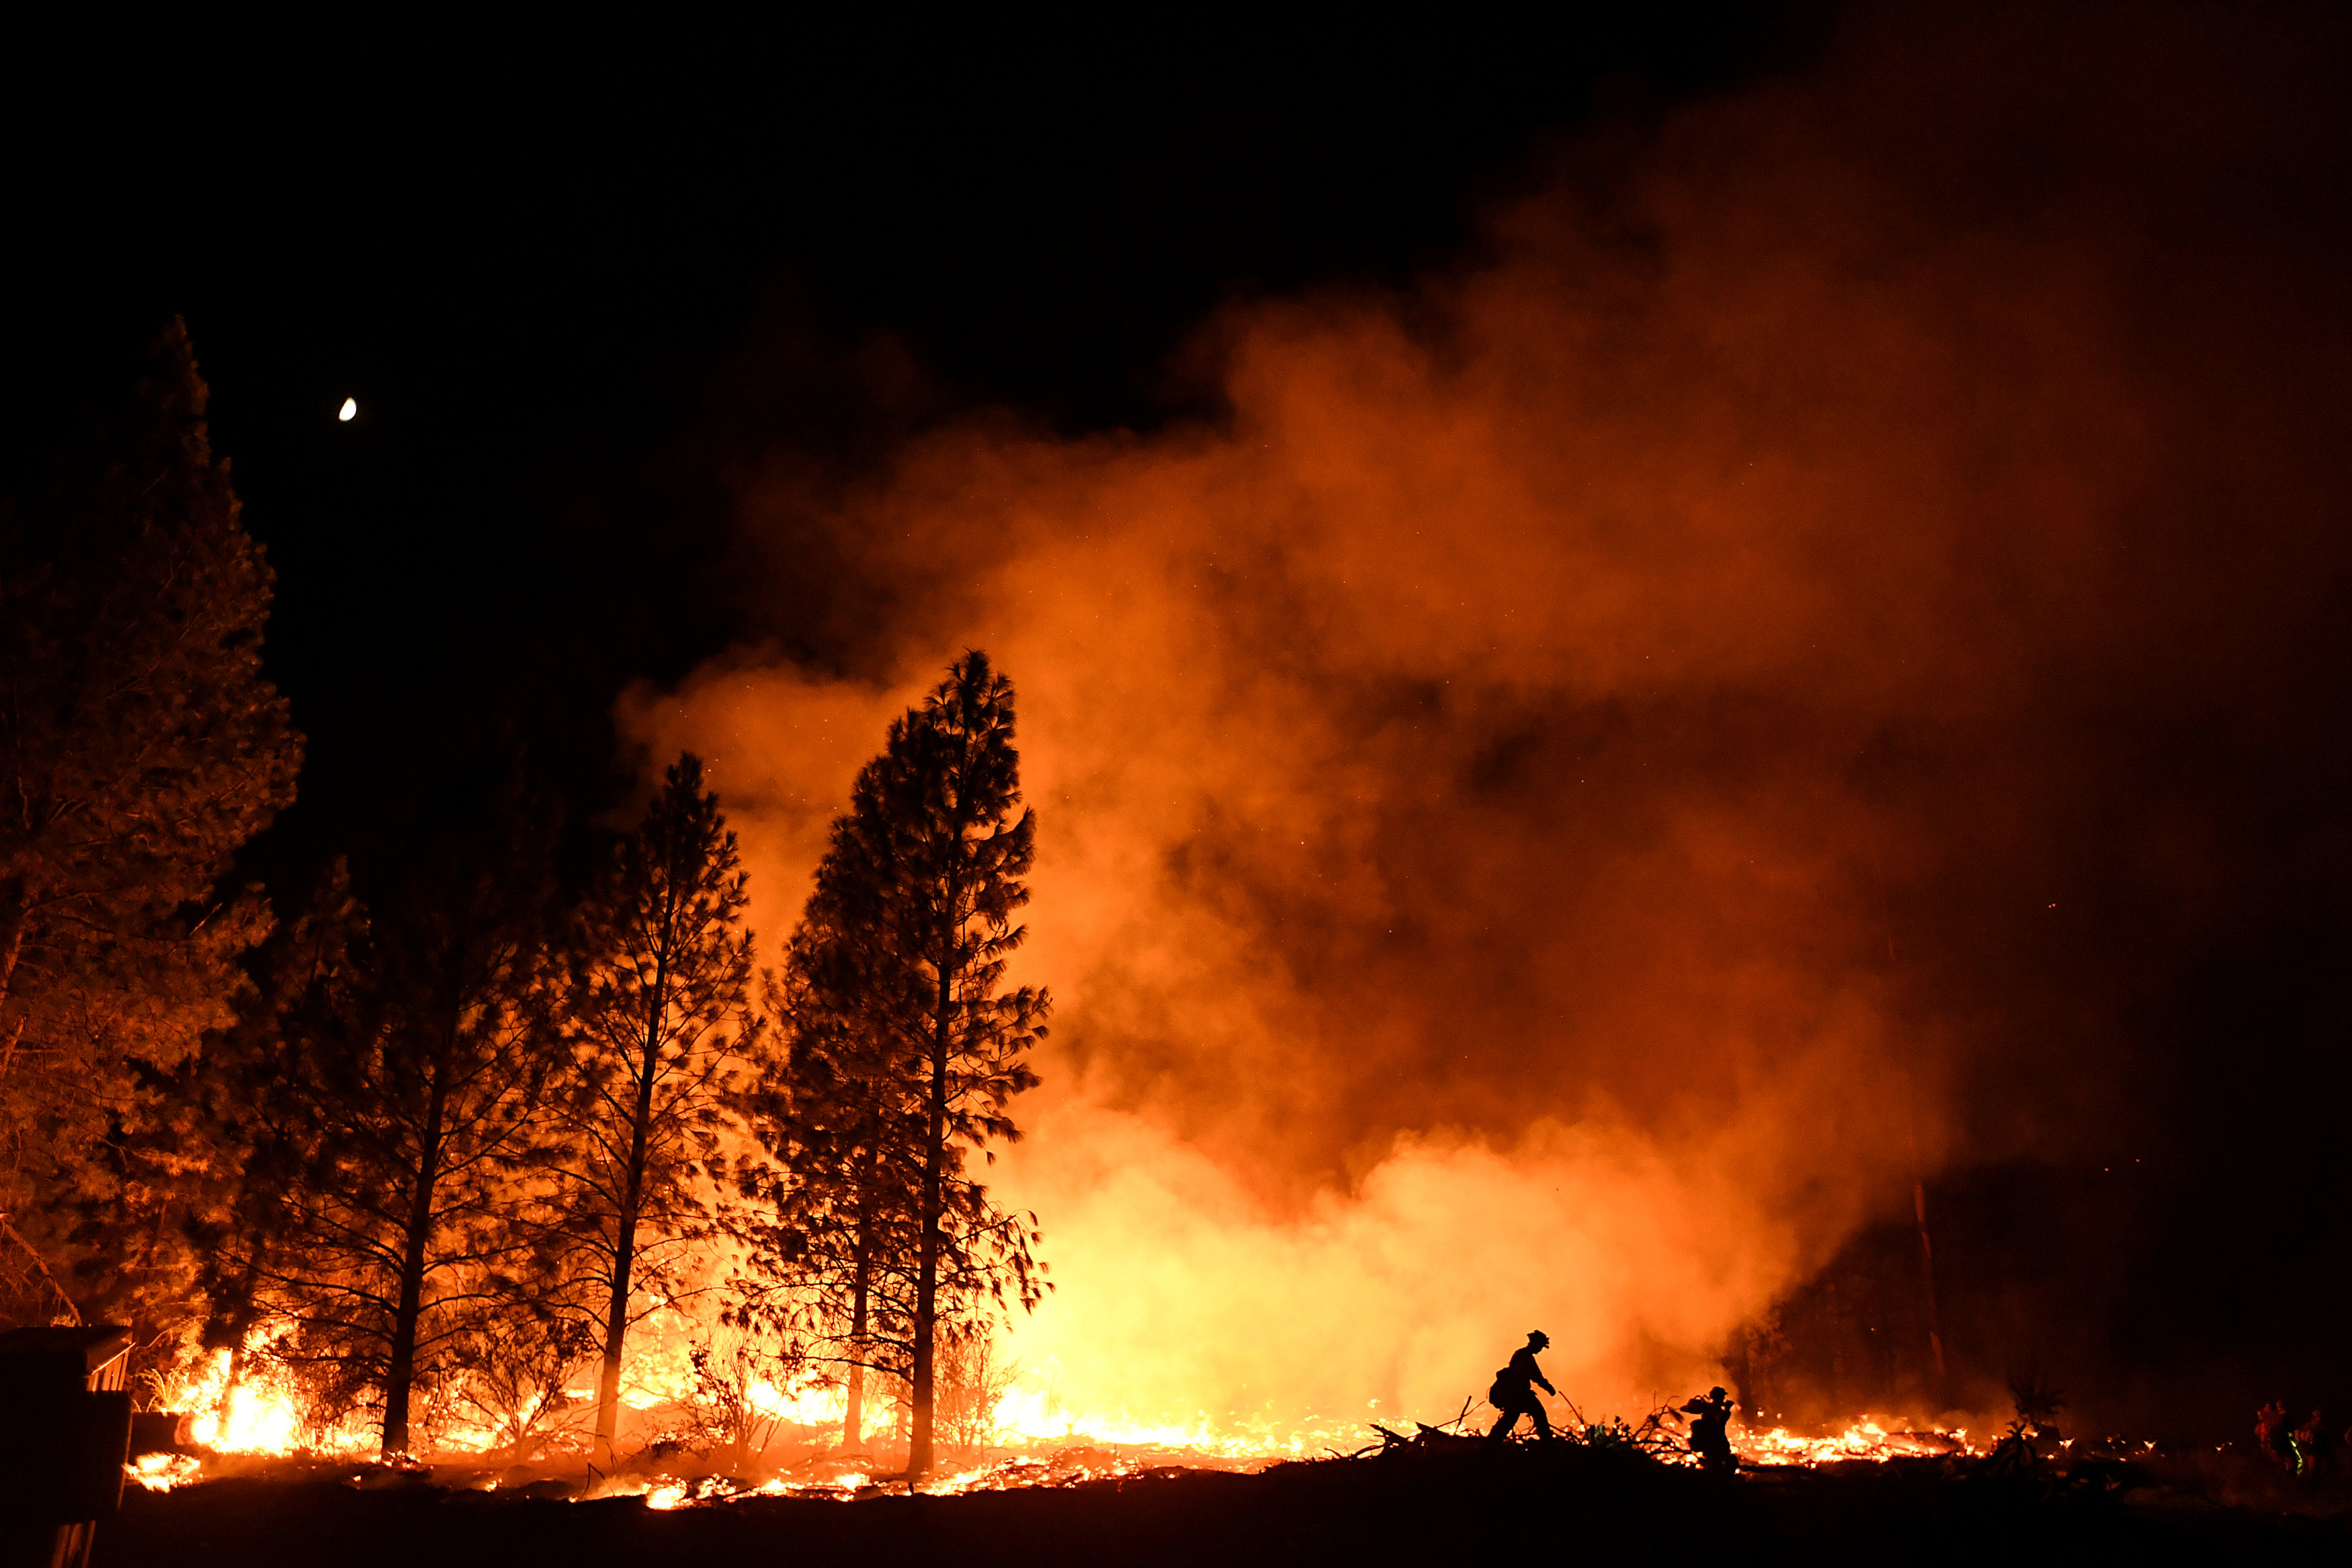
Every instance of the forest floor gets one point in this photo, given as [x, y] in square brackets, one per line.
[1460, 1504]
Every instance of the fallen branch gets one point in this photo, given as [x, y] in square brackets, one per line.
[42, 1269]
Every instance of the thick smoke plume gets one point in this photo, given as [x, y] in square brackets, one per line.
[1571, 793]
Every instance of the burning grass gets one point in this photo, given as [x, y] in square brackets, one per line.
[787, 1443]
[260, 1481]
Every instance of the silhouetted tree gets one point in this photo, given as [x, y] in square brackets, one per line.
[252, 1101]
[836, 1203]
[659, 1009]
[429, 1101]
[140, 744]
[466, 965]
[927, 871]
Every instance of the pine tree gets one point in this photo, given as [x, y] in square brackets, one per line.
[830, 1229]
[427, 1103]
[660, 1013]
[253, 1101]
[933, 856]
[140, 744]
[466, 967]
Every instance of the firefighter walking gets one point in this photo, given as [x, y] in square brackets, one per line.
[1514, 1392]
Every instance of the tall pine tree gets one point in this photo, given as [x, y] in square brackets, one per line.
[429, 1101]
[140, 744]
[660, 1014]
[253, 1099]
[831, 1228]
[931, 858]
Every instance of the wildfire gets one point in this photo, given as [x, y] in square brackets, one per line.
[1038, 1444]
[262, 1416]
[1031, 1416]
[161, 1472]
[1033, 1439]
[1865, 1440]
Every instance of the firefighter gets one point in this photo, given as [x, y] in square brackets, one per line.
[1514, 1392]
[1710, 1438]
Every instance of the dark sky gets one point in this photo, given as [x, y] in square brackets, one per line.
[566, 298]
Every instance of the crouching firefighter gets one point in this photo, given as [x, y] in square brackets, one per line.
[1710, 1434]
[1513, 1391]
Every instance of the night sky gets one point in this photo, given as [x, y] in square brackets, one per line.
[568, 301]
[576, 307]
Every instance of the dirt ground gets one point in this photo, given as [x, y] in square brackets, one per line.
[1511, 1504]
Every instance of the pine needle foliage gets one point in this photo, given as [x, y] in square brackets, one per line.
[435, 1118]
[140, 744]
[660, 1015]
[905, 1049]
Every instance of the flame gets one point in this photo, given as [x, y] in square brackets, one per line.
[161, 1472]
[1037, 1440]
[1031, 1416]
[1037, 1437]
[263, 1417]
[1866, 1440]
[809, 1405]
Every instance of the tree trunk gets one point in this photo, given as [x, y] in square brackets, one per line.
[402, 1371]
[927, 1277]
[616, 1328]
[923, 1373]
[16, 913]
[1928, 1280]
[853, 1419]
[624, 1239]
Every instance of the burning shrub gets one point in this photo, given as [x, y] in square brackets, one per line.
[2036, 1402]
[733, 1406]
[321, 1401]
[513, 1380]
[972, 1385]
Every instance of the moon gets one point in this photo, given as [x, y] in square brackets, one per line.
[349, 411]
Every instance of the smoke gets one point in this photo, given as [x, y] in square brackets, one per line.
[1576, 787]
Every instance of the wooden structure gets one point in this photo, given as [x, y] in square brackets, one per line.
[65, 1432]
